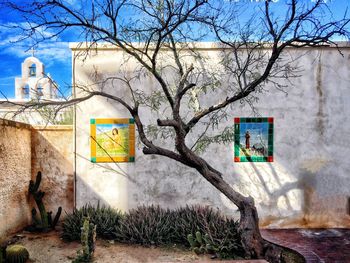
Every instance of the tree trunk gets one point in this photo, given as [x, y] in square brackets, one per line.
[249, 228]
[254, 245]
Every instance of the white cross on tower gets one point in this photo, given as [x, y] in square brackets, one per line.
[33, 51]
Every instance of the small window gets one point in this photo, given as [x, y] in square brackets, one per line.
[26, 91]
[40, 91]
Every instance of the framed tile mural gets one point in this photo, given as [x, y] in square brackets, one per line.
[112, 140]
[253, 140]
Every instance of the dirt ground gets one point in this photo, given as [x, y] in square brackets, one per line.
[49, 248]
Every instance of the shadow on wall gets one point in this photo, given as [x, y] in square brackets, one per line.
[52, 154]
[24, 151]
[103, 183]
[94, 197]
[289, 199]
[309, 209]
[169, 184]
[128, 185]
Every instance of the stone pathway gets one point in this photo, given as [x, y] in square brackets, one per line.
[316, 245]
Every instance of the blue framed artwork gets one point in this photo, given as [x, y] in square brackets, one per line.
[253, 140]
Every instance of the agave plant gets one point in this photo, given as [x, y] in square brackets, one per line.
[153, 225]
[146, 226]
[105, 218]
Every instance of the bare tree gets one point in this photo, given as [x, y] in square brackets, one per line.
[251, 56]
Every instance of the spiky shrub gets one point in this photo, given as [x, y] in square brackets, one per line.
[226, 240]
[157, 226]
[201, 244]
[190, 219]
[16, 254]
[146, 226]
[105, 218]
[152, 225]
[222, 248]
[221, 233]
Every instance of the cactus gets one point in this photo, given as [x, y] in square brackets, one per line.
[88, 239]
[192, 241]
[45, 222]
[16, 254]
[202, 244]
[199, 238]
[2, 255]
[206, 245]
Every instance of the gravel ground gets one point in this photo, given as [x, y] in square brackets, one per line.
[49, 248]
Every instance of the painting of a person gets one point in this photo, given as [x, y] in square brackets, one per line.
[247, 140]
[115, 137]
[113, 141]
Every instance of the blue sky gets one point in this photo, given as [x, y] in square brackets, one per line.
[56, 54]
[102, 128]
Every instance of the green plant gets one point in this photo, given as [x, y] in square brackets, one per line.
[16, 254]
[49, 115]
[105, 219]
[152, 225]
[45, 222]
[146, 226]
[221, 231]
[88, 239]
[291, 256]
[190, 219]
[201, 244]
[2, 255]
[197, 243]
[157, 226]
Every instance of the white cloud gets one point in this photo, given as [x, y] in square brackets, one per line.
[51, 50]
[7, 79]
[75, 3]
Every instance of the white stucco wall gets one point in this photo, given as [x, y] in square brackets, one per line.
[308, 183]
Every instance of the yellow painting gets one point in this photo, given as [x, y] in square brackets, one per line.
[112, 140]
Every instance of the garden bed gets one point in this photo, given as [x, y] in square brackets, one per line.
[50, 248]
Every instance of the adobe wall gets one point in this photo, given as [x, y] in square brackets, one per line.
[15, 173]
[25, 150]
[307, 184]
[52, 154]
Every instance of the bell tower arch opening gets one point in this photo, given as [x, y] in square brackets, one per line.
[32, 70]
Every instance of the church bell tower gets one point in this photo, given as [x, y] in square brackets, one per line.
[34, 84]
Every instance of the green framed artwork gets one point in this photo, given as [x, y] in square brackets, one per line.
[253, 140]
[112, 140]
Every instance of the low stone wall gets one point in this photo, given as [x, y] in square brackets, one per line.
[25, 150]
